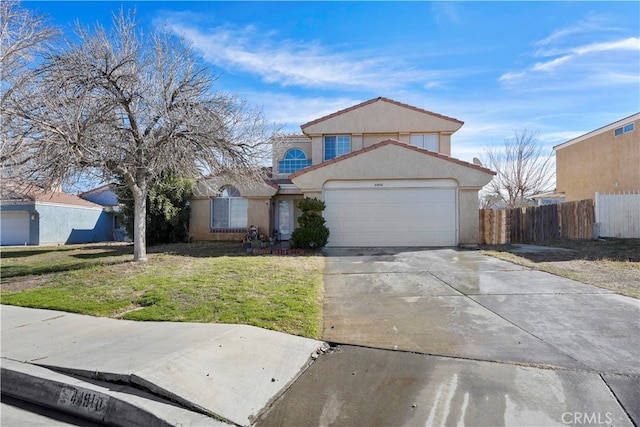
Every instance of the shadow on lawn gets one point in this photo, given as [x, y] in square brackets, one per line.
[200, 249]
[20, 253]
[104, 252]
[56, 259]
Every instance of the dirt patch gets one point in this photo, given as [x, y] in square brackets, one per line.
[23, 283]
[612, 264]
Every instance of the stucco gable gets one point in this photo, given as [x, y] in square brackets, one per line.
[382, 115]
[392, 159]
[210, 187]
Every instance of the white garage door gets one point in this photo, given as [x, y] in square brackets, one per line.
[15, 228]
[391, 213]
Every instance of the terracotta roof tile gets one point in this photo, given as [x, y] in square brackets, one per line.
[383, 99]
[34, 194]
[399, 144]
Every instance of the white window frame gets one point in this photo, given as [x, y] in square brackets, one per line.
[236, 209]
[294, 160]
[340, 141]
[428, 141]
[629, 127]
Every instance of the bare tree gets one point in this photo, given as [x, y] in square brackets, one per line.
[126, 105]
[24, 38]
[523, 169]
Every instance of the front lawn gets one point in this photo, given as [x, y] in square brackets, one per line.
[194, 282]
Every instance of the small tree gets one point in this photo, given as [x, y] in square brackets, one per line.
[312, 233]
[523, 169]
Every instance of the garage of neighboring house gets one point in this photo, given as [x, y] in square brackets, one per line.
[392, 212]
[394, 194]
[15, 227]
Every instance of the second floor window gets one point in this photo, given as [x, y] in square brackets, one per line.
[428, 141]
[229, 209]
[293, 161]
[626, 128]
[335, 146]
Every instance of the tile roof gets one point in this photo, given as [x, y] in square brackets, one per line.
[399, 144]
[32, 193]
[383, 99]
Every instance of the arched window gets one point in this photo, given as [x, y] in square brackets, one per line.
[229, 209]
[294, 160]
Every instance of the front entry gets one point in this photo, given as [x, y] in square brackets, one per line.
[286, 219]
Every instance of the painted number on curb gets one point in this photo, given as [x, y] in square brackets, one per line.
[83, 399]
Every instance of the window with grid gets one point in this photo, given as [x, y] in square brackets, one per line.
[428, 141]
[293, 161]
[229, 209]
[336, 145]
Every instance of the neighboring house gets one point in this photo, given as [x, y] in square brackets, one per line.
[107, 198]
[606, 160]
[36, 217]
[383, 169]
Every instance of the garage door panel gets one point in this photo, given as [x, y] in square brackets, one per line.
[374, 216]
[15, 228]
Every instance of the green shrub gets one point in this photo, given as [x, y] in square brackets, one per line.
[312, 232]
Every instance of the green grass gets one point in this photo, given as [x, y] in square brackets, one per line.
[198, 282]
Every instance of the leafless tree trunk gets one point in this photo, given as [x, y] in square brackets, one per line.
[523, 169]
[131, 106]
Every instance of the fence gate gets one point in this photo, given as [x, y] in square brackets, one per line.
[618, 215]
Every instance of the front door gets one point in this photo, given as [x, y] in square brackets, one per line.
[285, 219]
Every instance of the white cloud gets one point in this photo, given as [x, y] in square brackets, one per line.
[631, 43]
[628, 44]
[295, 63]
[588, 25]
[550, 65]
[511, 76]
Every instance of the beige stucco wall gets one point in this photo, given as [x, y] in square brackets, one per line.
[200, 219]
[602, 163]
[258, 196]
[360, 141]
[259, 214]
[468, 219]
[382, 117]
[378, 121]
[282, 145]
[394, 161]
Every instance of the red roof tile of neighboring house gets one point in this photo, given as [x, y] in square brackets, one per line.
[371, 101]
[392, 142]
[35, 194]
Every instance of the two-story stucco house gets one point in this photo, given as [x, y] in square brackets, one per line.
[383, 169]
[606, 160]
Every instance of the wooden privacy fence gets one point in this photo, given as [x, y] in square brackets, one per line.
[573, 220]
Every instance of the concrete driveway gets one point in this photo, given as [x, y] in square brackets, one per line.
[464, 304]
[452, 337]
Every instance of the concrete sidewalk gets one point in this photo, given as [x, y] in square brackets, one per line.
[193, 374]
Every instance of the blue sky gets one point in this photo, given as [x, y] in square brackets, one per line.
[560, 68]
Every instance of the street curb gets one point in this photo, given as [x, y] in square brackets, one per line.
[76, 400]
[41, 386]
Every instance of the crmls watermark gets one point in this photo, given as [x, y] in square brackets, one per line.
[590, 418]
